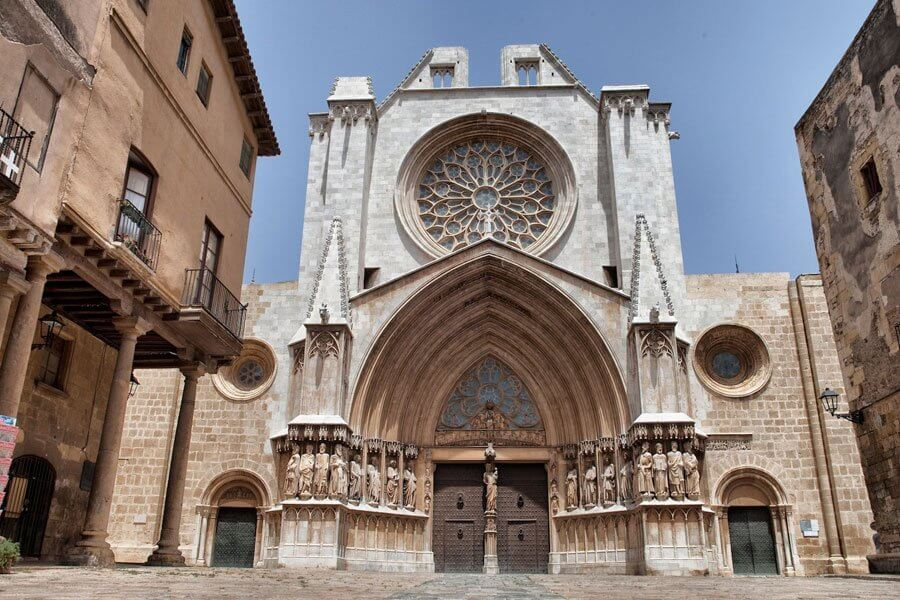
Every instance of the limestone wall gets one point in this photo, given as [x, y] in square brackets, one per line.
[854, 122]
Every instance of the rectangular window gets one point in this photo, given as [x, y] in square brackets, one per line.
[55, 358]
[246, 157]
[35, 111]
[184, 51]
[611, 275]
[370, 277]
[210, 247]
[204, 84]
[138, 183]
[869, 174]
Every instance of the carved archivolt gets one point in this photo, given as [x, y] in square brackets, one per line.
[732, 360]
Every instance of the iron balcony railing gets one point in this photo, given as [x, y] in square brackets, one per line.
[202, 289]
[15, 144]
[138, 234]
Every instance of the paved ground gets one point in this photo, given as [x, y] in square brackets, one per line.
[144, 583]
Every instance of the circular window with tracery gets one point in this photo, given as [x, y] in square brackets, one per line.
[486, 188]
[250, 375]
[732, 360]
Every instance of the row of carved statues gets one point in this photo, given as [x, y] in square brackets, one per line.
[658, 476]
[322, 475]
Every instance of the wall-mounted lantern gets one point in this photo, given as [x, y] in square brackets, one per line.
[51, 326]
[829, 399]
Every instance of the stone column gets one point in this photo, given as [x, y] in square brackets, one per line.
[93, 549]
[11, 285]
[167, 552]
[210, 533]
[200, 552]
[259, 552]
[21, 335]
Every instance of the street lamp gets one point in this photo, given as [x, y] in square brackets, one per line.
[135, 384]
[50, 328]
[829, 399]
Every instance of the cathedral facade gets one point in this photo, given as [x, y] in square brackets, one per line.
[493, 361]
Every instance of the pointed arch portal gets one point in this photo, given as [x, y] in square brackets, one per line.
[493, 306]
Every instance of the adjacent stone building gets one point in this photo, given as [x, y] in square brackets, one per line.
[129, 131]
[494, 361]
[848, 140]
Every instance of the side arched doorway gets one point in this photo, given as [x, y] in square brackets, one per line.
[231, 530]
[754, 524]
[26, 507]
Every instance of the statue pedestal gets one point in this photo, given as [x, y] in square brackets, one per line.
[337, 535]
[491, 564]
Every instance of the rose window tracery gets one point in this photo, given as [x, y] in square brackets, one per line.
[486, 188]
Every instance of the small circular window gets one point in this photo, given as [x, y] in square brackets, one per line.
[732, 360]
[250, 375]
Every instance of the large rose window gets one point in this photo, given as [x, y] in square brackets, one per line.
[486, 188]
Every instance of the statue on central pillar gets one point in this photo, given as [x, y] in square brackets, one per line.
[660, 469]
[490, 492]
[305, 473]
[320, 478]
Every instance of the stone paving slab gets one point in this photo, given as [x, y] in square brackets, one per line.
[146, 583]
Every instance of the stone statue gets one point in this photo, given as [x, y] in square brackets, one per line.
[691, 473]
[660, 468]
[355, 478]
[589, 491]
[490, 492]
[572, 488]
[676, 472]
[409, 487]
[320, 477]
[554, 496]
[626, 483]
[392, 484]
[305, 473]
[290, 474]
[427, 500]
[609, 483]
[645, 471]
[374, 484]
[338, 487]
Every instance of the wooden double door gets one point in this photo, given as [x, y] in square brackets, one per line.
[523, 538]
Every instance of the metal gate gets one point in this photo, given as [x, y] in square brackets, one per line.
[752, 542]
[523, 527]
[27, 503]
[235, 538]
[458, 539]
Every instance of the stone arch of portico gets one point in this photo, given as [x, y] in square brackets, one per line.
[235, 488]
[489, 305]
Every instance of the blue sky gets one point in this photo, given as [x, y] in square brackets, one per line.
[739, 76]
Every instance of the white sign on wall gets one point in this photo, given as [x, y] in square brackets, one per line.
[809, 527]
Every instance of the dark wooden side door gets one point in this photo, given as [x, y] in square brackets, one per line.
[26, 507]
[235, 538]
[458, 538]
[523, 527]
[752, 542]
